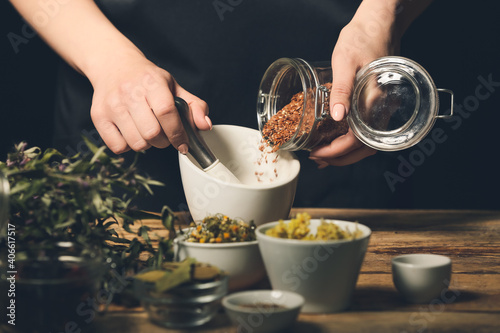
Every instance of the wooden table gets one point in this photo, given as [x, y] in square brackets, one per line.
[472, 304]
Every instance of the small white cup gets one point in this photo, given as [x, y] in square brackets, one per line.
[420, 278]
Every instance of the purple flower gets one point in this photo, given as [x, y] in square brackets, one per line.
[84, 183]
[24, 161]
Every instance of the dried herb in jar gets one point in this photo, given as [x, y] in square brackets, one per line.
[296, 120]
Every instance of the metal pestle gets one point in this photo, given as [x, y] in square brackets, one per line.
[199, 150]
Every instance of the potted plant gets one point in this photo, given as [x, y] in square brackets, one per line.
[60, 239]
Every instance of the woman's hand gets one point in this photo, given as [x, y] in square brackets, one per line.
[375, 31]
[353, 50]
[133, 106]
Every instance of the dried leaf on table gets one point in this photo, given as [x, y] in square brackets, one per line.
[180, 275]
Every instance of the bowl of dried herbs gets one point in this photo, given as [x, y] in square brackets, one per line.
[227, 243]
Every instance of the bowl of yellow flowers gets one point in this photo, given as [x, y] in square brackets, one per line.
[319, 259]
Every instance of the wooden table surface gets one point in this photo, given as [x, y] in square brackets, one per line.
[472, 304]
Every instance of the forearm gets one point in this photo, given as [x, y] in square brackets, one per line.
[133, 101]
[394, 16]
[375, 31]
[79, 32]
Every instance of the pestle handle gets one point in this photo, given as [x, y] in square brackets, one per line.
[197, 146]
[199, 149]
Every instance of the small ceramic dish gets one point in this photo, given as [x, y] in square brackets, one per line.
[420, 278]
[263, 310]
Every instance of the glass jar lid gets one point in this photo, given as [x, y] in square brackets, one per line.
[394, 104]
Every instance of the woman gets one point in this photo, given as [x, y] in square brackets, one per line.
[128, 59]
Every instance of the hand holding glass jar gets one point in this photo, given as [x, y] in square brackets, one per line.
[394, 106]
[374, 32]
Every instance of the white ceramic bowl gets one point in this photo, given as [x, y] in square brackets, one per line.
[323, 272]
[247, 311]
[242, 260]
[420, 278]
[238, 149]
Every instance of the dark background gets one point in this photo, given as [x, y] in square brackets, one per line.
[456, 41]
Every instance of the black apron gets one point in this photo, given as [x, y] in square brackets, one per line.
[219, 50]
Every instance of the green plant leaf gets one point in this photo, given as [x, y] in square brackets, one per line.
[143, 232]
[151, 276]
[167, 218]
[65, 224]
[98, 154]
[54, 198]
[180, 275]
[19, 187]
[93, 148]
[48, 155]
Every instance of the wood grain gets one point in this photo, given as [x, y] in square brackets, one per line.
[346, 322]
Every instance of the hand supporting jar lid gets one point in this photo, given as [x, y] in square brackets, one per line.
[394, 104]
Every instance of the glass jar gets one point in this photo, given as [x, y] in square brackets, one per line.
[51, 285]
[186, 306]
[394, 104]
